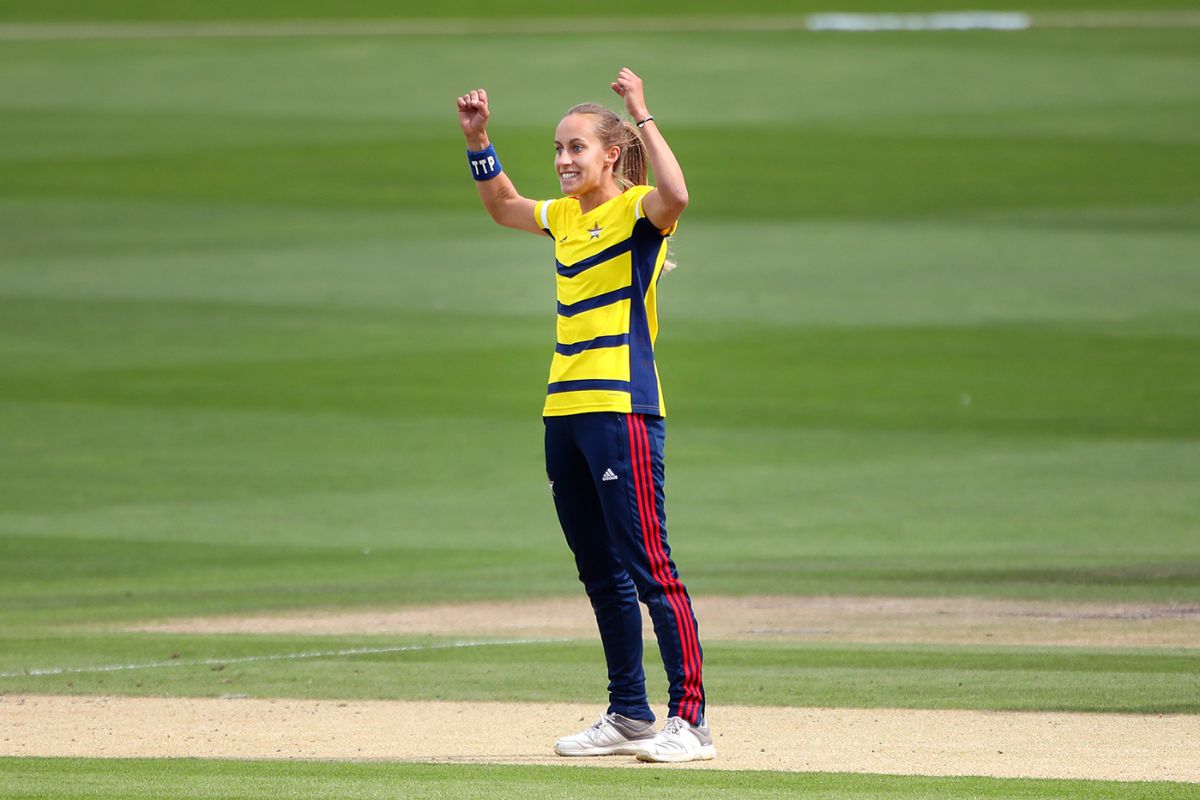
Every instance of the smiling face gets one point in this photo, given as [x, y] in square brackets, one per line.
[581, 160]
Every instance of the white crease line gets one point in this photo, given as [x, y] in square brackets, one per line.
[208, 662]
[948, 21]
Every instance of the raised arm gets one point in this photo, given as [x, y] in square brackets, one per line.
[497, 192]
[666, 202]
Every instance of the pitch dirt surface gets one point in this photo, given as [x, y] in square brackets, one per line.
[886, 741]
[878, 620]
[898, 742]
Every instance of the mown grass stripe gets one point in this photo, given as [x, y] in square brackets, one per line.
[270, 780]
[947, 21]
[352, 651]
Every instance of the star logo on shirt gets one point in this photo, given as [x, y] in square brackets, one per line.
[595, 231]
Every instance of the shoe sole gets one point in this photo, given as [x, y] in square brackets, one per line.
[632, 748]
[705, 753]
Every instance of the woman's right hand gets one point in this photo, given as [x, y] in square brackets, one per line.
[473, 116]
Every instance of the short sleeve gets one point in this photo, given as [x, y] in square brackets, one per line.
[542, 216]
[638, 213]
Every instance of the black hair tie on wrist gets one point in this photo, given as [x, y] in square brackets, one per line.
[647, 119]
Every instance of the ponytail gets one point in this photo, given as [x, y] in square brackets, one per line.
[630, 169]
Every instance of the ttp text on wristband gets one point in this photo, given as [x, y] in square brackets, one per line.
[485, 164]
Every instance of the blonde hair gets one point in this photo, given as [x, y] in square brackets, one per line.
[631, 168]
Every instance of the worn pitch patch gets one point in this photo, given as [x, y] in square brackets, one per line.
[866, 620]
[1122, 747]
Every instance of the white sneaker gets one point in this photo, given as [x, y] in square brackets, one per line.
[611, 735]
[679, 740]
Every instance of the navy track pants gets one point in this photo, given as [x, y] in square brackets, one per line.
[606, 472]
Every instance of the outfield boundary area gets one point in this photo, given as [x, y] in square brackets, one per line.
[813, 23]
[1119, 747]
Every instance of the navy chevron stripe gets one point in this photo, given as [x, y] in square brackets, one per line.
[591, 303]
[592, 344]
[606, 254]
[581, 386]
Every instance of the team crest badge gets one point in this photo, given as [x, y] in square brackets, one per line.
[595, 232]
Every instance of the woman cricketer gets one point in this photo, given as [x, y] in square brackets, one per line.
[604, 406]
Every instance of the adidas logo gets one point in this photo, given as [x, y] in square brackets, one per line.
[608, 475]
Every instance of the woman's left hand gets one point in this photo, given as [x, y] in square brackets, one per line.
[629, 86]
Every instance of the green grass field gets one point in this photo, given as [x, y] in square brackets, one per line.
[253, 780]
[979, 678]
[935, 332]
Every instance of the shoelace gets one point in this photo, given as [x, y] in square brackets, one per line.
[597, 726]
[675, 726]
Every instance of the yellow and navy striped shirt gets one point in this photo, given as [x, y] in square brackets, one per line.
[608, 262]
